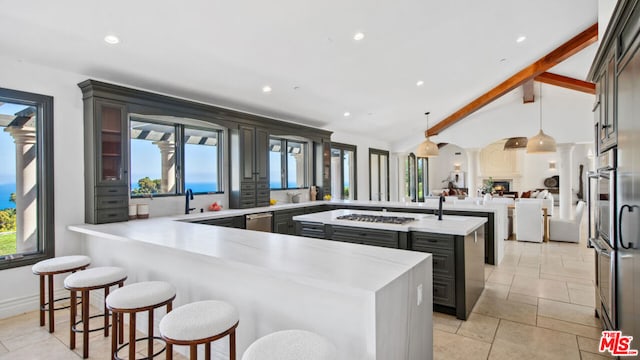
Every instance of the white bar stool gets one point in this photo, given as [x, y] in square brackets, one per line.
[48, 268]
[85, 281]
[200, 322]
[134, 298]
[291, 345]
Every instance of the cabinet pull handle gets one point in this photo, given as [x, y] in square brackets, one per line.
[432, 240]
[631, 208]
[606, 126]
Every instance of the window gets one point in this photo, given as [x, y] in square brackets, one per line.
[416, 178]
[157, 165]
[288, 164]
[26, 178]
[378, 175]
[343, 171]
[201, 160]
[153, 159]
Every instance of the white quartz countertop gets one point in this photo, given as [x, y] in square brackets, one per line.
[450, 224]
[324, 262]
[287, 206]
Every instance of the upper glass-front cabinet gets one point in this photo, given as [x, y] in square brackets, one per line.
[112, 133]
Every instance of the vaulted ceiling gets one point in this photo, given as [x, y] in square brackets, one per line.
[224, 52]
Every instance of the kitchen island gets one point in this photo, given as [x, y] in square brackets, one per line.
[371, 302]
[456, 243]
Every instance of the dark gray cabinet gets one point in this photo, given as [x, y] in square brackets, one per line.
[106, 158]
[605, 109]
[310, 229]
[249, 168]
[458, 269]
[365, 236]
[283, 221]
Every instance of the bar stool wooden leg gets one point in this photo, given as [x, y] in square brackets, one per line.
[117, 332]
[72, 321]
[193, 352]
[50, 278]
[207, 351]
[85, 324]
[169, 351]
[132, 335]
[120, 328]
[150, 335]
[232, 345]
[106, 313]
[41, 300]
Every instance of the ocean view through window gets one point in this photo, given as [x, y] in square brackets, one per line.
[26, 178]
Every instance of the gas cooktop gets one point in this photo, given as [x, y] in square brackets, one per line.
[376, 219]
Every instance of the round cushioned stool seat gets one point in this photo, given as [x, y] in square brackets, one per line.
[199, 320]
[98, 276]
[141, 295]
[61, 264]
[291, 345]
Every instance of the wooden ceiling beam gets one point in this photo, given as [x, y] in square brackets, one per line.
[566, 82]
[561, 53]
[527, 92]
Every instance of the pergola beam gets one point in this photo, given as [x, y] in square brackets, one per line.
[564, 51]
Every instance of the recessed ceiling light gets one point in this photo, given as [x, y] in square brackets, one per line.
[521, 38]
[111, 39]
[266, 89]
[358, 36]
[420, 83]
[347, 114]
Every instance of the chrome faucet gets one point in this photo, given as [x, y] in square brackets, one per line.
[188, 196]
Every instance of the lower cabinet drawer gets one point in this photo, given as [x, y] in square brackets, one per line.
[310, 229]
[443, 263]
[443, 291]
[111, 202]
[112, 215]
[365, 236]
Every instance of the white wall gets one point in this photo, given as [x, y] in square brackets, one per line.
[441, 166]
[19, 286]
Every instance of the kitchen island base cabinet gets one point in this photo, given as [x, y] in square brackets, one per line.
[458, 269]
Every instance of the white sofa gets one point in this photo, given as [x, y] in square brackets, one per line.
[567, 230]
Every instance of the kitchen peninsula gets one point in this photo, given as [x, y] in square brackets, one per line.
[371, 302]
[455, 242]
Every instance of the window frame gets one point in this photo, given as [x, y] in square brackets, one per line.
[379, 152]
[347, 147]
[44, 174]
[180, 156]
[180, 169]
[284, 163]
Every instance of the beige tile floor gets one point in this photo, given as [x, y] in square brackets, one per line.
[537, 304]
[22, 338]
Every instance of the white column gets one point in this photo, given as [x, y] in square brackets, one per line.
[168, 157]
[565, 152]
[26, 189]
[473, 162]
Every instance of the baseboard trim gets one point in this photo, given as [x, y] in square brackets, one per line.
[25, 304]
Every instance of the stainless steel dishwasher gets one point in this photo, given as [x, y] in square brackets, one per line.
[259, 222]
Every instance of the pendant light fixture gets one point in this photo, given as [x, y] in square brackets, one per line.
[541, 143]
[428, 148]
[515, 143]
